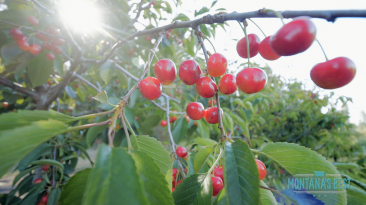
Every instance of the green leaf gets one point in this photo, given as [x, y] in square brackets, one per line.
[150, 122]
[107, 70]
[94, 131]
[213, 3]
[33, 194]
[301, 160]
[205, 30]
[242, 124]
[201, 11]
[54, 196]
[179, 131]
[195, 189]
[33, 155]
[59, 64]
[340, 165]
[182, 17]
[70, 92]
[114, 179]
[102, 97]
[203, 129]
[228, 123]
[72, 193]
[241, 178]
[23, 173]
[356, 196]
[267, 197]
[39, 69]
[221, 198]
[155, 150]
[122, 78]
[48, 162]
[201, 157]
[17, 143]
[205, 142]
[10, 51]
[156, 187]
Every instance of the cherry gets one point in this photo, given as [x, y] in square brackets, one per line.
[178, 182]
[173, 189]
[46, 167]
[148, 38]
[266, 50]
[16, 34]
[241, 46]
[32, 20]
[227, 84]
[262, 170]
[5, 104]
[175, 171]
[173, 182]
[23, 45]
[24, 38]
[209, 102]
[195, 110]
[76, 86]
[136, 118]
[35, 49]
[294, 37]
[189, 72]
[117, 81]
[163, 123]
[53, 31]
[181, 152]
[150, 88]
[37, 181]
[165, 71]
[206, 87]
[187, 118]
[172, 119]
[216, 65]
[211, 115]
[42, 37]
[48, 46]
[217, 185]
[251, 80]
[56, 49]
[44, 199]
[334, 73]
[219, 172]
[50, 56]
[195, 123]
[58, 42]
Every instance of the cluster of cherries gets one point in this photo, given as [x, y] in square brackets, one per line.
[44, 198]
[50, 43]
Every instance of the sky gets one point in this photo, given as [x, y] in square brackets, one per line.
[345, 37]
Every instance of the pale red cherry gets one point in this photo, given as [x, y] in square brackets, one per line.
[211, 115]
[50, 56]
[266, 50]
[217, 185]
[42, 37]
[227, 84]
[23, 45]
[32, 20]
[206, 87]
[57, 50]
[195, 110]
[35, 49]
[189, 72]
[216, 65]
[165, 71]
[262, 170]
[241, 46]
[251, 80]
[150, 88]
[58, 42]
[219, 172]
[16, 34]
[24, 38]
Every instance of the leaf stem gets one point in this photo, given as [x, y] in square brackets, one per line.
[88, 126]
[128, 124]
[126, 131]
[257, 27]
[92, 115]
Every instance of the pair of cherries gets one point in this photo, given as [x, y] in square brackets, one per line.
[196, 111]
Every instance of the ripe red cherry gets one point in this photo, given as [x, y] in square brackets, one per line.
[37, 181]
[49, 82]
[50, 56]
[206, 87]
[76, 86]
[251, 80]
[163, 123]
[24, 38]
[334, 73]
[172, 119]
[173, 189]
[23, 45]
[241, 46]
[35, 49]
[262, 170]
[217, 185]
[150, 88]
[266, 50]
[294, 37]
[211, 115]
[46, 167]
[16, 34]
[5, 104]
[42, 37]
[189, 72]
[216, 65]
[181, 152]
[175, 171]
[178, 182]
[227, 84]
[195, 110]
[32, 20]
[44, 199]
[58, 42]
[53, 31]
[165, 71]
[219, 172]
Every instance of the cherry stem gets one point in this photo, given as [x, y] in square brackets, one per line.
[257, 27]
[126, 131]
[326, 58]
[196, 96]
[212, 99]
[241, 27]
[128, 124]
[217, 160]
[211, 44]
[278, 14]
[247, 40]
[215, 155]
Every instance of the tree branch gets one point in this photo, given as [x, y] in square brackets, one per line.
[87, 82]
[18, 88]
[42, 7]
[31, 29]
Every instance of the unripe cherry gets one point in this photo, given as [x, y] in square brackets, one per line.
[251, 80]
[150, 88]
[227, 84]
[165, 71]
[195, 110]
[181, 152]
[216, 65]
[206, 87]
[189, 72]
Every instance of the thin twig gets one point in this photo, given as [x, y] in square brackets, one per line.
[42, 7]
[18, 88]
[126, 131]
[31, 29]
[87, 82]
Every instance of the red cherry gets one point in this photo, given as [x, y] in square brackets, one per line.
[35, 49]
[48, 46]
[227, 84]
[136, 118]
[175, 171]
[56, 50]
[181, 152]
[189, 72]
[42, 37]
[117, 81]
[173, 189]
[294, 37]
[241, 46]
[266, 50]
[50, 56]
[44, 199]
[165, 71]
[251, 80]
[211, 115]
[76, 86]
[58, 42]
[24, 38]
[148, 38]
[23, 45]
[195, 110]
[37, 181]
[32, 20]
[150, 88]
[216, 65]
[53, 31]
[16, 34]
[174, 118]
[206, 87]
[334, 73]
[217, 185]
[262, 170]
[178, 182]
[163, 123]
[5, 104]
[46, 167]
[49, 82]
[219, 172]
[195, 123]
